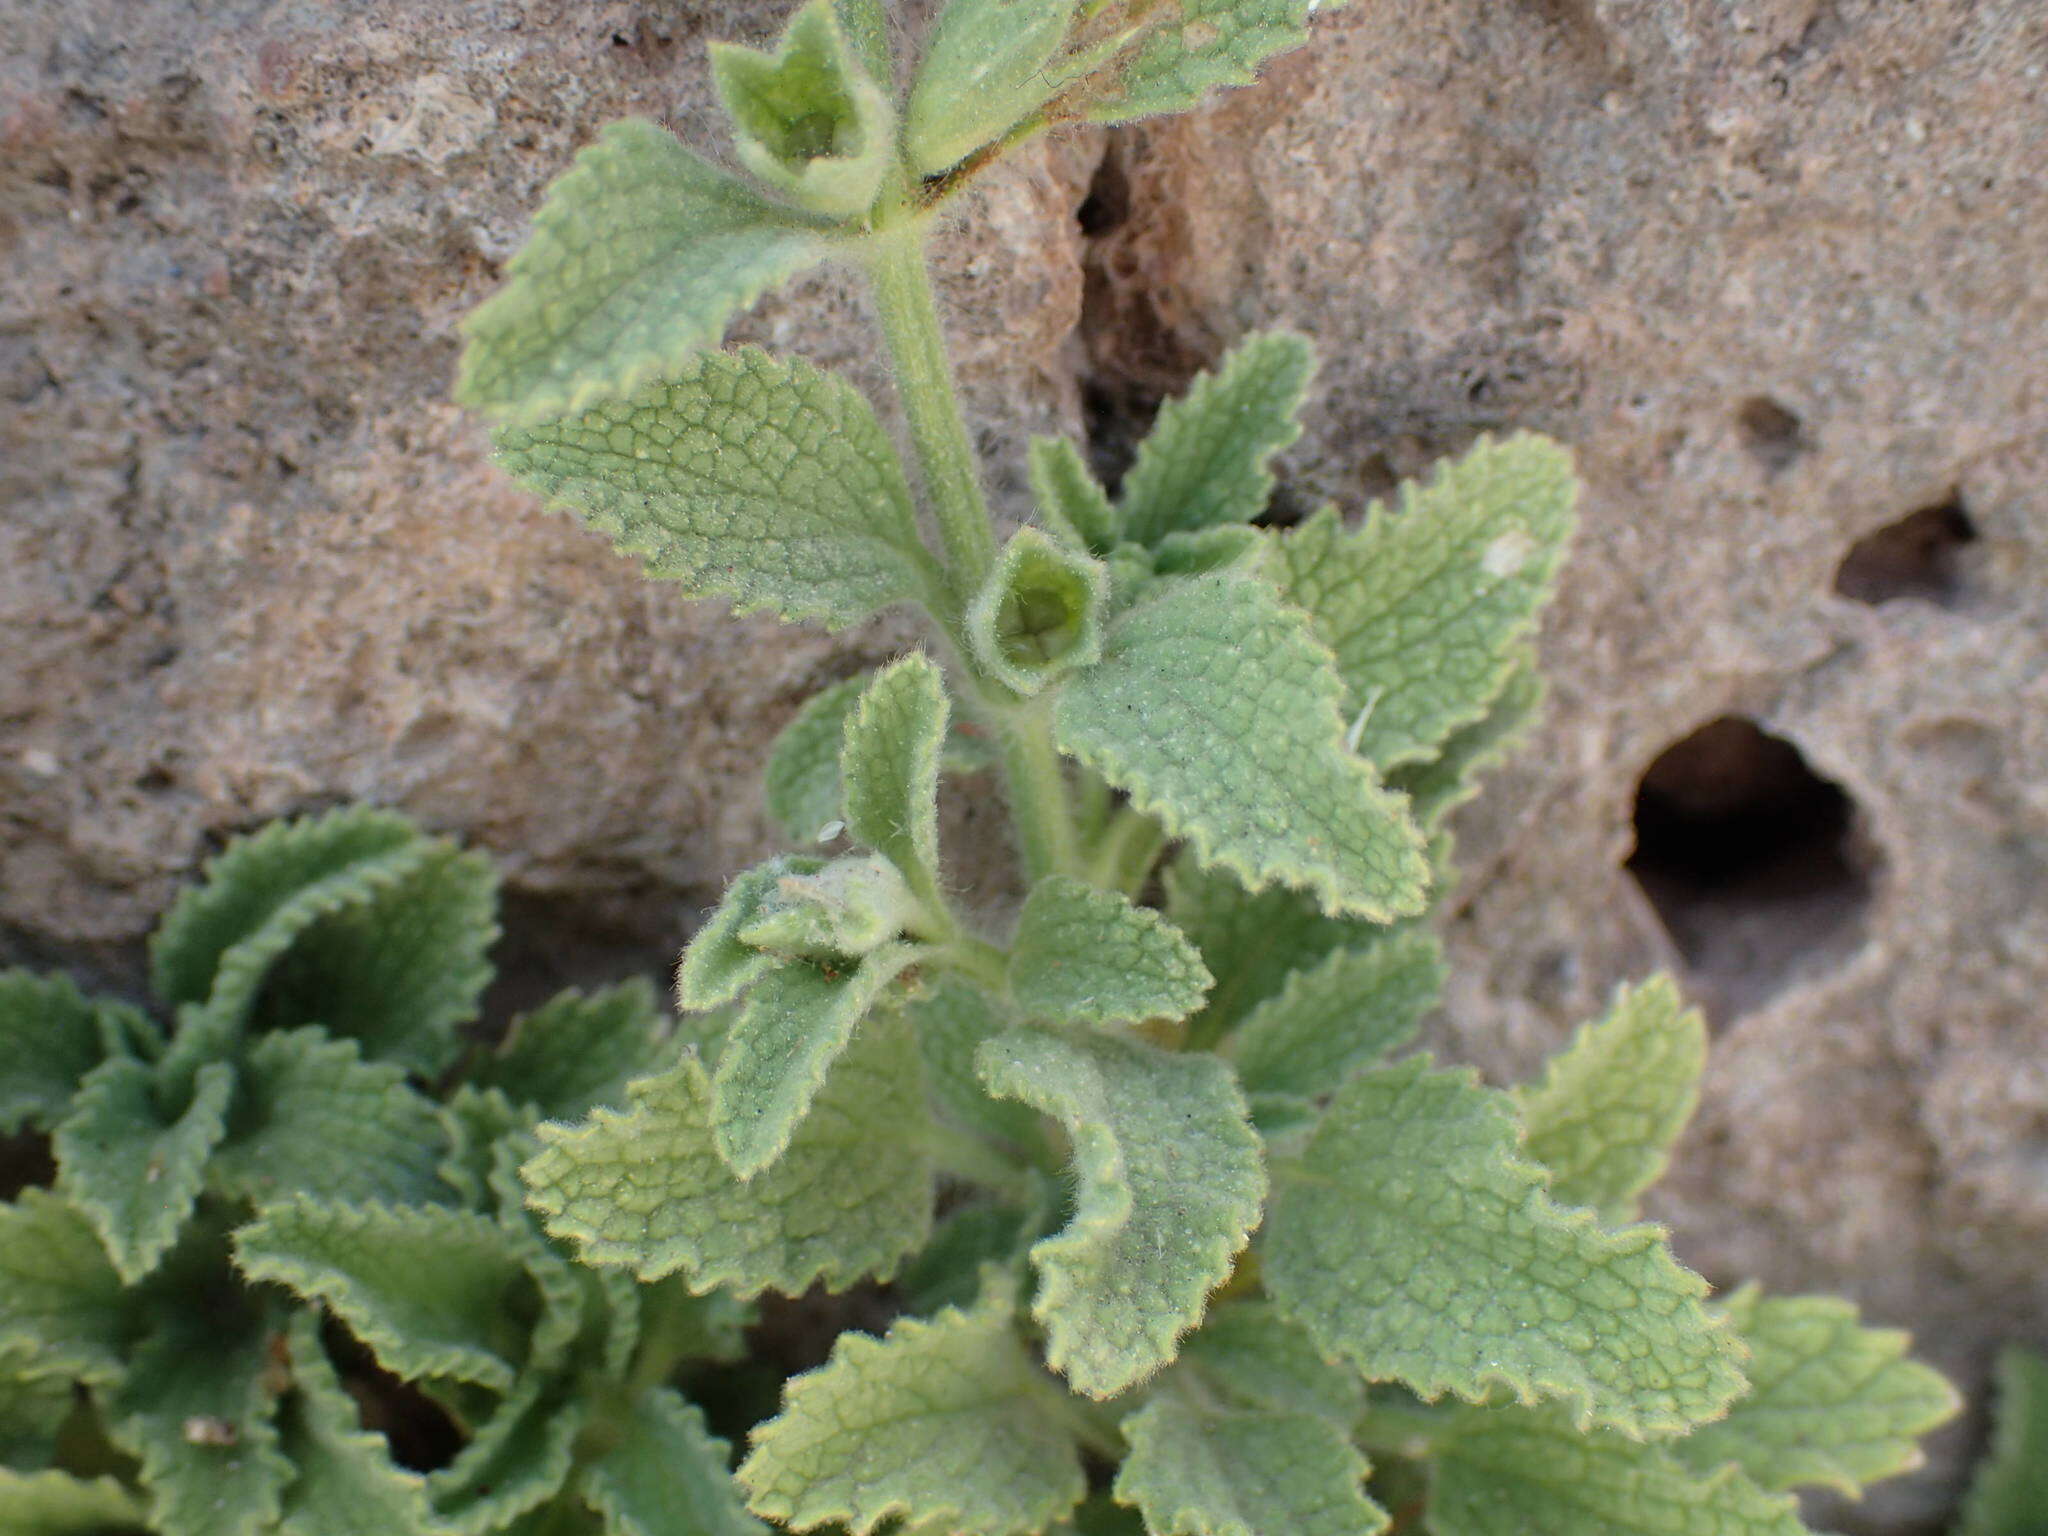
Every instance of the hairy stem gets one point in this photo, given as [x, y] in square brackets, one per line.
[1122, 859]
[1039, 799]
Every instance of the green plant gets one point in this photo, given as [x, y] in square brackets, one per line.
[2009, 1494]
[1209, 1258]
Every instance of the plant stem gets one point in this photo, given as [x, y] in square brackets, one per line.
[1122, 860]
[966, 1156]
[1401, 1429]
[1039, 802]
[924, 381]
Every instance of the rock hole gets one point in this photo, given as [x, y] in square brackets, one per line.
[1754, 863]
[1772, 434]
[1916, 556]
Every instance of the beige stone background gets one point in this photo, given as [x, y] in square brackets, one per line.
[1775, 268]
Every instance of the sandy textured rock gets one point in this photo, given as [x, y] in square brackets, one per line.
[1773, 268]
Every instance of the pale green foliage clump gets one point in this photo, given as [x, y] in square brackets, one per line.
[1173, 1236]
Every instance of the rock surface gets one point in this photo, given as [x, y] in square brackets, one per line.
[1772, 268]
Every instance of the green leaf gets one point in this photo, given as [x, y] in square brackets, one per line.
[1511, 1471]
[1194, 46]
[33, 1407]
[1605, 1114]
[433, 1291]
[198, 1409]
[1427, 606]
[1215, 709]
[577, 1051]
[1248, 1355]
[717, 966]
[51, 1036]
[949, 1272]
[1070, 498]
[985, 69]
[945, 1420]
[518, 1460]
[1039, 615]
[133, 1171]
[796, 1022]
[1083, 955]
[665, 1475]
[851, 1196]
[889, 767]
[1197, 1470]
[1446, 781]
[744, 477]
[807, 119]
[1170, 1188]
[1416, 1243]
[2010, 1489]
[951, 1018]
[58, 1504]
[60, 1300]
[1205, 460]
[801, 783]
[639, 257]
[347, 1483]
[1832, 1404]
[1338, 1016]
[311, 1117]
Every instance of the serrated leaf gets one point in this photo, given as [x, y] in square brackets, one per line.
[432, 1291]
[2010, 1489]
[1427, 606]
[1831, 1404]
[1083, 955]
[801, 783]
[33, 1408]
[943, 1420]
[1247, 1354]
[1069, 497]
[347, 1482]
[51, 1036]
[1511, 1471]
[311, 1117]
[716, 966]
[948, 1272]
[807, 119]
[579, 1050]
[1171, 1184]
[132, 1170]
[646, 1188]
[1607, 1110]
[665, 1475]
[1441, 784]
[796, 1022]
[1339, 1015]
[1416, 1243]
[745, 477]
[519, 1459]
[58, 1504]
[1204, 462]
[1195, 46]
[889, 767]
[985, 69]
[641, 254]
[60, 1300]
[1215, 709]
[198, 1409]
[951, 1017]
[1198, 1470]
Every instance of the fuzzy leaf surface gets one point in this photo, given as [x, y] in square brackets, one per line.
[33, 1408]
[1197, 1470]
[1248, 1355]
[1426, 607]
[58, 1504]
[716, 966]
[1416, 1243]
[1215, 708]
[1083, 955]
[51, 1036]
[2011, 1486]
[60, 1301]
[889, 765]
[432, 1291]
[1197, 46]
[794, 1025]
[665, 1475]
[1205, 462]
[1441, 784]
[1514, 1470]
[937, 1421]
[646, 1187]
[984, 70]
[641, 254]
[311, 1117]
[1171, 1182]
[517, 1461]
[1070, 498]
[1338, 1016]
[801, 783]
[952, 1017]
[1832, 1404]
[347, 1482]
[134, 1173]
[744, 477]
[1608, 1108]
[579, 1050]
